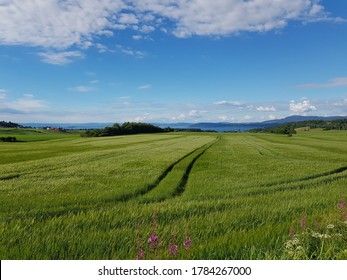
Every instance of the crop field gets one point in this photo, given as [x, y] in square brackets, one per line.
[173, 196]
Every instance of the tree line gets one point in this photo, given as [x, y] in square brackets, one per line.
[8, 139]
[125, 129]
[9, 124]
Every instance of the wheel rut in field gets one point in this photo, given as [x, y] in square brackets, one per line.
[184, 180]
[175, 181]
[302, 183]
[307, 178]
[148, 188]
[9, 177]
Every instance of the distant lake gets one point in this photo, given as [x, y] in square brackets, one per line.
[220, 127]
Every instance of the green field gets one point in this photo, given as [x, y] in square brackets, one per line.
[226, 196]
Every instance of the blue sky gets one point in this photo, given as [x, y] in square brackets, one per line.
[171, 61]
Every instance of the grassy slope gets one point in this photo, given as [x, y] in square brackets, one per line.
[100, 198]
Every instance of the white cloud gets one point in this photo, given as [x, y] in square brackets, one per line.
[179, 117]
[60, 58]
[341, 103]
[247, 118]
[266, 109]
[26, 104]
[137, 37]
[62, 24]
[128, 19]
[143, 87]
[223, 17]
[147, 28]
[102, 48]
[131, 52]
[335, 82]
[316, 10]
[272, 117]
[182, 114]
[196, 113]
[301, 107]
[54, 23]
[82, 89]
[229, 103]
[2, 94]
[225, 118]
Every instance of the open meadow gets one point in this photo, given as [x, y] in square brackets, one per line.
[173, 196]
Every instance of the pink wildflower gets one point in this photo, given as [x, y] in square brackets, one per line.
[140, 255]
[173, 249]
[153, 239]
[342, 204]
[187, 244]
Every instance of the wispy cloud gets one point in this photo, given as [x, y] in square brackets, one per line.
[24, 105]
[102, 48]
[341, 103]
[247, 117]
[3, 94]
[82, 89]
[143, 87]
[233, 105]
[226, 118]
[60, 58]
[266, 109]
[137, 37]
[335, 82]
[131, 52]
[228, 103]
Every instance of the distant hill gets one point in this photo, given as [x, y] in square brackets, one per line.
[298, 118]
[290, 127]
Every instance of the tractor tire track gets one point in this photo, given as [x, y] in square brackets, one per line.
[301, 183]
[150, 187]
[307, 178]
[179, 184]
[9, 177]
[184, 180]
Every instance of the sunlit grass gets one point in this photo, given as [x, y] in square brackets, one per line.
[76, 198]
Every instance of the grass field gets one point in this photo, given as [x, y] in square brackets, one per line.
[173, 196]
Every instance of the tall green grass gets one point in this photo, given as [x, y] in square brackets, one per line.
[240, 197]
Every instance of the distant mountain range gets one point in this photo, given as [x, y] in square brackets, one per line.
[297, 118]
[216, 126]
[227, 126]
